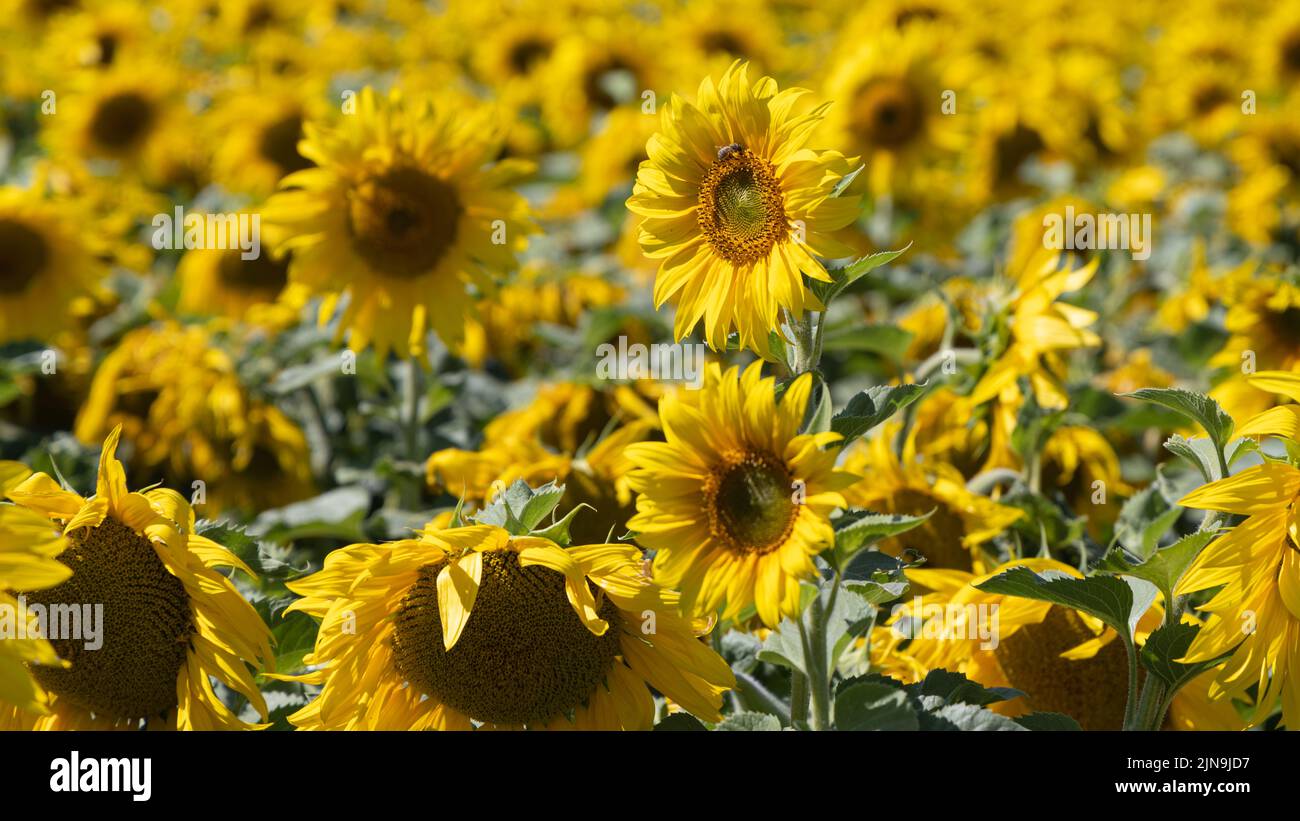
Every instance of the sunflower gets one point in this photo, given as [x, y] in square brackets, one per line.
[129, 117]
[470, 625]
[570, 434]
[402, 211]
[178, 396]
[506, 328]
[171, 621]
[960, 521]
[1263, 323]
[220, 282]
[602, 62]
[29, 548]
[258, 131]
[736, 501]
[1040, 329]
[1255, 616]
[1063, 660]
[46, 266]
[890, 87]
[736, 207]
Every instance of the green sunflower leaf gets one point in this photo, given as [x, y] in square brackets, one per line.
[559, 532]
[857, 530]
[1118, 602]
[887, 340]
[873, 406]
[1165, 567]
[519, 508]
[1165, 646]
[1050, 722]
[1195, 406]
[871, 705]
[750, 722]
[680, 722]
[851, 273]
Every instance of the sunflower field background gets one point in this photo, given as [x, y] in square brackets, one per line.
[979, 325]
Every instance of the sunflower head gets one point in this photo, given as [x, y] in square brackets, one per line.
[406, 208]
[500, 626]
[736, 209]
[736, 501]
[170, 621]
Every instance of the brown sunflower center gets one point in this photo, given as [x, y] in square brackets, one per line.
[1093, 691]
[24, 256]
[721, 41]
[1209, 96]
[1013, 149]
[1285, 326]
[404, 221]
[524, 657]
[263, 273]
[1290, 51]
[752, 504]
[742, 209]
[939, 539]
[145, 631]
[887, 113]
[527, 53]
[122, 120]
[279, 144]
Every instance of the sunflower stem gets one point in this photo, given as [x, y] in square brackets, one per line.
[798, 698]
[814, 654]
[805, 353]
[1131, 704]
[411, 418]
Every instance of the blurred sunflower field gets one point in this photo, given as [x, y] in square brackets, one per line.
[731, 364]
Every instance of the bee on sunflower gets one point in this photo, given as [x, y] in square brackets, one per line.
[479, 626]
[736, 209]
[736, 502]
[404, 209]
[171, 621]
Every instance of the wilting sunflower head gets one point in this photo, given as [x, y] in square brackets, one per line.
[171, 621]
[1064, 661]
[736, 209]
[405, 208]
[473, 626]
[177, 395]
[736, 501]
[45, 266]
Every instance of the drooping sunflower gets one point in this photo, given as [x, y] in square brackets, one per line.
[1256, 614]
[1063, 660]
[171, 621]
[736, 501]
[29, 547]
[470, 626]
[404, 209]
[45, 266]
[960, 520]
[179, 399]
[1040, 330]
[735, 208]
